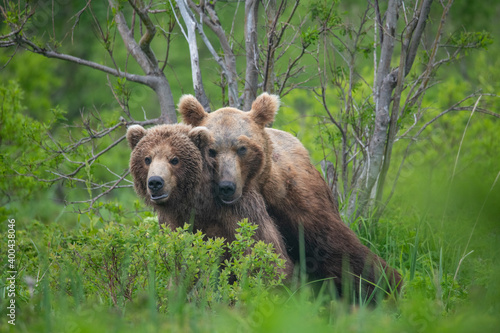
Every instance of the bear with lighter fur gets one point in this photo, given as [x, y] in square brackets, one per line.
[249, 157]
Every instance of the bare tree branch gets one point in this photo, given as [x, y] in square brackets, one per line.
[147, 37]
[93, 200]
[291, 65]
[132, 46]
[274, 39]
[416, 35]
[149, 65]
[213, 22]
[435, 45]
[115, 72]
[190, 22]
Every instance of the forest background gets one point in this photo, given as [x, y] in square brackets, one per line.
[439, 224]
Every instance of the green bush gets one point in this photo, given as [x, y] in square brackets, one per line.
[117, 263]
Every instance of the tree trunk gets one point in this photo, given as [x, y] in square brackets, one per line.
[385, 83]
[211, 19]
[269, 78]
[166, 100]
[252, 53]
[148, 63]
[190, 22]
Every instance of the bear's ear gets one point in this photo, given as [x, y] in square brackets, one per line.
[191, 110]
[200, 136]
[134, 134]
[264, 108]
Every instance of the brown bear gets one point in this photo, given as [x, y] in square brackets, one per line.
[172, 172]
[249, 156]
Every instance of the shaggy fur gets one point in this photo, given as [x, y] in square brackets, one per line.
[277, 165]
[178, 155]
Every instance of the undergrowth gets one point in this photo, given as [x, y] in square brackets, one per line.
[114, 277]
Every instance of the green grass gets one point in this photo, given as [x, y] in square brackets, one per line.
[132, 278]
[88, 275]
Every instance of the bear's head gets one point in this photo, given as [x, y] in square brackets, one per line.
[240, 147]
[166, 161]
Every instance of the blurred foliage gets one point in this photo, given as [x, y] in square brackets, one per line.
[22, 155]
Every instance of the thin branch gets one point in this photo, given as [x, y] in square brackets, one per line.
[52, 54]
[15, 33]
[123, 104]
[416, 36]
[327, 109]
[291, 65]
[435, 45]
[11, 56]
[456, 108]
[415, 121]
[274, 42]
[94, 199]
[89, 161]
[77, 18]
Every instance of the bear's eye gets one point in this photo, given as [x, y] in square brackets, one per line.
[174, 161]
[242, 150]
[147, 160]
[212, 153]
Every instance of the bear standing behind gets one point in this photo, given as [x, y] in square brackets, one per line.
[249, 156]
[169, 166]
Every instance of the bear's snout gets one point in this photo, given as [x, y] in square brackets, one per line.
[155, 184]
[227, 190]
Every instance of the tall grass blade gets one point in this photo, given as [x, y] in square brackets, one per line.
[413, 256]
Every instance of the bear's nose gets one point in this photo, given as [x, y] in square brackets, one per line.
[155, 183]
[227, 189]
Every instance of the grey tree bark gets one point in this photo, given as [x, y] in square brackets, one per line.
[143, 54]
[252, 53]
[386, 81]
[189, 20]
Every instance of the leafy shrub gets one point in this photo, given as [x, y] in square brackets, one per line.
[117, 264]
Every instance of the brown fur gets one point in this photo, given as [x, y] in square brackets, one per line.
[277, 165]
[188, 185]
